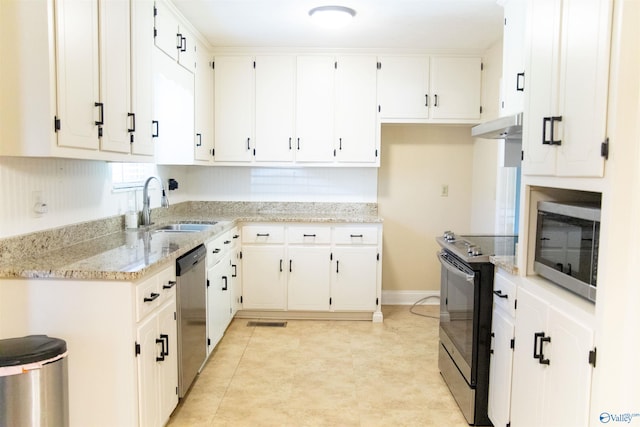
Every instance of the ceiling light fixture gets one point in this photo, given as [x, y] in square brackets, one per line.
[332, 16]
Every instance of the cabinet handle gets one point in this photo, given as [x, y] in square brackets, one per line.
[170, 284]
[435, 102]
[553, 120]
[549, 122]
[224, 279]
[426, 100]
[183, 46]
[262, 234]
[337, 266]
[356, 235]
[248, 143]
[499, 294]
[308, 235]
[520, 78]
[340, 143]
[216, 251]
[100, 105]
[290, 266]
[133, 122]
[199, 136]
[542, 360]
[235, 236]
[161, 357]
[280, 266]
[235, 270]
[179, 41]
[226, 242]
[289, 143]
[151, 297]
[157, 130]
[298, 143]
[165, 351]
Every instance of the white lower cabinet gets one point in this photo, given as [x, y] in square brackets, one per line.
[311, 267]
[552, 362]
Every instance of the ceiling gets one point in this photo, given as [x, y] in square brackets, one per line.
[425, 25]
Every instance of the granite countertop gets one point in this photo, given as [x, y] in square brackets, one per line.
[506, 262]
[130, 254]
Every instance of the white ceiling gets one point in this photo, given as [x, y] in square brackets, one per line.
[426, 25]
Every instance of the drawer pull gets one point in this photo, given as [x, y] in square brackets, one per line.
[151, 297]
[357, 235]
[235, 236]
[225, 287]
[216, 251]
[262, 234]
[161, 357]
[308, 235]
[499, 294]
[170, 284]
[165, 337]
[226, 242]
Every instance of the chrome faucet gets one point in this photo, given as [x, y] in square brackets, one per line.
[146, 208]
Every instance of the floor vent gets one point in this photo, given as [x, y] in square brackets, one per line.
[270, 324]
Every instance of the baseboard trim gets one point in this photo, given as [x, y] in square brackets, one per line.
[410, 297]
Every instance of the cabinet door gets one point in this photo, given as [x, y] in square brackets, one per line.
[500, 368]
[115, 75]
[315, 109]
[356, 115]
[403, 87]
[166, 30]
[203, 77]
[234, 108]
[263, 278]
[542, 76]
[455, 88]
[77, 63]
[141, 69]
[148, 381]
[186, 48]
[513, 78]
[584, 80]
[168, 368]
[218, 301]
[354, 278]
[275, 108]
[308, 278]
[173, 110]
[568, 390]
[528, 385]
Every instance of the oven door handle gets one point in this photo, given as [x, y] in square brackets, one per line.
[469, 277]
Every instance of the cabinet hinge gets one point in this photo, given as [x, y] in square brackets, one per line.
[515, 304]
[240, 254]
[175, 316]
[254, 152]
[378, 257]
[254, 65]
[377, 302]
[481, 109]
[331, 256]
[137, 349]
[512, 343]
[240, 299]
[522, 155]
[56, 123]
[208, 341]
[604, 149]
[334, 152]
[508, 424]
[592, 357]
[207, 283]
[213, 152]
[379, 65]
[482, 66]
[155, 11]
[155, 33]
[100, 132]
[330, 300]
[335, 65]
[213, 65]
[176, 390]
[376, 152]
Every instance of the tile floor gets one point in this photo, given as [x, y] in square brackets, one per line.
[324, 373]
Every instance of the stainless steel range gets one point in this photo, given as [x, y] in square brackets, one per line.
[465, 317]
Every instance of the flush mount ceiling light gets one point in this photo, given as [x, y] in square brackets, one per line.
[332, 16]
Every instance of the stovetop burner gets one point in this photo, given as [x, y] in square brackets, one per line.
[477, 248]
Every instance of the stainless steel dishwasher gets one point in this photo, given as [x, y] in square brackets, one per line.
[192, 316]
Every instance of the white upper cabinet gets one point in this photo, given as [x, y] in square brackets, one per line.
[567, 66]
[203, 94]
[436, 89]
[513, 75]
[70, 89]
[275, 108]
[173, 37]
[356, 118]
[234, 106]
[315, 109]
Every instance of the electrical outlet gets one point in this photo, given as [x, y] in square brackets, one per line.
[39, 206]
[444, 190]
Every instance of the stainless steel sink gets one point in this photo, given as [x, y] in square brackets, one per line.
[183, 228]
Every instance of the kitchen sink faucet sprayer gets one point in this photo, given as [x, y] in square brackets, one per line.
[146, 208]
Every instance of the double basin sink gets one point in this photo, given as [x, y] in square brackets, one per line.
[184, 228]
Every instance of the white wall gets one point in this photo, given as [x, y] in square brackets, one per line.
[79, 190]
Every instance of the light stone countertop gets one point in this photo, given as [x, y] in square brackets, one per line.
[507, 263]
[129, 255]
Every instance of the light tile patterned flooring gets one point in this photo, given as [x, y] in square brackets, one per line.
[324, 373]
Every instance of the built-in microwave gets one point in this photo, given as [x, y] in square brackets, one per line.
[567, 241]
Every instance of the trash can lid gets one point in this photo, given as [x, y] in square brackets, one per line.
[30, 349]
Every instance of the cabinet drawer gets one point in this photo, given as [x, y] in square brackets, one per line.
[166, 284]
[148, 296]
[217, 247]
[309, 235]
[263, 234]
[504, 293]
[359, 235]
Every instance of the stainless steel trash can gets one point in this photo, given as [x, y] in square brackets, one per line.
[33, 382]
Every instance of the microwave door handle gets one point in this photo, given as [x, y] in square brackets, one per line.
[453, 269]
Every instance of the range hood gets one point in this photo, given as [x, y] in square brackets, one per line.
[509, 127]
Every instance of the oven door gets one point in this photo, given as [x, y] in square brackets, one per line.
[456, 312]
